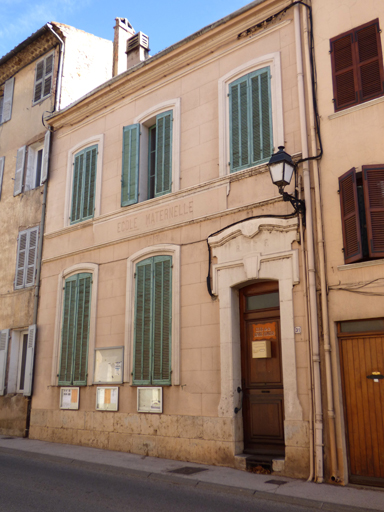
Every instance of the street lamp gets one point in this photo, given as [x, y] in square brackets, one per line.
[281, 168]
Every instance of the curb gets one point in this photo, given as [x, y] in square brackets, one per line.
[187, 481]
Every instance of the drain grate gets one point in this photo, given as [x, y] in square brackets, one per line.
[276, 482]
[187, 470]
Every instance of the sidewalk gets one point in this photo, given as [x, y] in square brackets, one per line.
[288, 490]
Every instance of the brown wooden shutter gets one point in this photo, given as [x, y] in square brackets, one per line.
[369, 61]
[345, 85]
[373, 184]
[357, 65]
[350, 220]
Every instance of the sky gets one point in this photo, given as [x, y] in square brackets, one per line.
[164, 22]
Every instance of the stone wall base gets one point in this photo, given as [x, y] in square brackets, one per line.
[13, 415]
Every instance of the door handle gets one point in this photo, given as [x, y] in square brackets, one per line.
[238, 409]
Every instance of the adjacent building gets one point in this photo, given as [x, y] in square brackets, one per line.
[47, 71]
[348, 46]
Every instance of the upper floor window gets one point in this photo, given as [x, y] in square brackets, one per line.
[357, 66]
[26, 258]
[250, 120]
[84, 184]
[362, 213]
[73, 367]
[31, 166]
[43, 78]
[6, 100]
[154, 178]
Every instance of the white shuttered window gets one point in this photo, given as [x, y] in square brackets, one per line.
[43, 79]
[26, 258]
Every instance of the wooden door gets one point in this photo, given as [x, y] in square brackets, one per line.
[362, 368]
[262, 381]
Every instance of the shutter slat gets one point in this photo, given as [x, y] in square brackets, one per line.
[350, 220]
[373, 184]
[130, 168]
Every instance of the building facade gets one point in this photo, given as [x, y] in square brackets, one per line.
[176, 283]
[45, 72]
[348, 44]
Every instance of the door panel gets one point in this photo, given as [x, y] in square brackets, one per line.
[263, 405]
[360, 356]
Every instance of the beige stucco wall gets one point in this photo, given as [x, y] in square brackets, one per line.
[193, 426]
[351, 138]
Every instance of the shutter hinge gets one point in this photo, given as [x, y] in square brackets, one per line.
[134, 275]
[343, 250]
[338, 191]
[333, 99]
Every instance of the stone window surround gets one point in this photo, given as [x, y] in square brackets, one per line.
[143, 119]
[96, 139]
[92, 268]
[155, 250]
[236, 268]
[273, 61]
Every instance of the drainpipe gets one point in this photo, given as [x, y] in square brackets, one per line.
[318, 427]
[59, 69]
[323, 285]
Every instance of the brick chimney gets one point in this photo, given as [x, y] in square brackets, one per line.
[137, 49]
[123, 31]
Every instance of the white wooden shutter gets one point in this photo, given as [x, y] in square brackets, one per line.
[22, 248]
[44, 169]
[30, 174]
[2, 160]
[28, 377]
[19, 175]
[4, 337]
[30, 267]
[39, 75]
[8, 99]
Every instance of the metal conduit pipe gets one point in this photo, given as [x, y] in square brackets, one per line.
[318, 430]
[323, 285]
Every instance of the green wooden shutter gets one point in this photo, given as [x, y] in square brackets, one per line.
[163, 175]
[80, 369]
[76, 187]
[261, 116]
[162, 316]
[239, 124]
[68, 332]
[89, 183]
[143, 323]
[84, 185]
[75, 330]
[130, 171]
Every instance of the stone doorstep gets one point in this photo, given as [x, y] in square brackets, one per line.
[241, 463]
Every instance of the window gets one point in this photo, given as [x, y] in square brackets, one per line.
[2, 162]
[73, 367]
[31, 166]
[362, 213]
[21, 359]
[250, 120]
[152, 323]
[84, 184]
[154, 178]
[26, 258]
[6, 99]
[43, 79]
[357, 66]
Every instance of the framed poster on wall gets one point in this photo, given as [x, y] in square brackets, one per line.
[107, 398]
[69, 398]
[108, 365]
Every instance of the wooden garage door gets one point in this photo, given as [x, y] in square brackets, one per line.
[362, 366]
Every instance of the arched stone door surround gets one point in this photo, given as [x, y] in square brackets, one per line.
[252, 250]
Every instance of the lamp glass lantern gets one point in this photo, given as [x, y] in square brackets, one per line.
[281, 168]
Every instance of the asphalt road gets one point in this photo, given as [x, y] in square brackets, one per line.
[29, 484]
